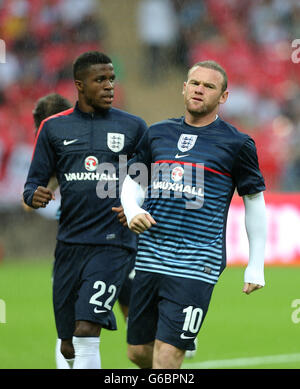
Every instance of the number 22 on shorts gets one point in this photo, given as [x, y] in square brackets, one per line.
[101, 285]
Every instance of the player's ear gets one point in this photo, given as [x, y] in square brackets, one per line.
[184, 88]
[223, 97]
[79, 85]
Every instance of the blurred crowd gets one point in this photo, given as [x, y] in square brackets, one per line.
[251, 39]
[42, 39]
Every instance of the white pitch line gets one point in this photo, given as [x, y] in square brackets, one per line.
[240, 362]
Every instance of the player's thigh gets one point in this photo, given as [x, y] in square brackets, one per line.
[66, 269]
[100, 284]
[143, 313]
[182, 309]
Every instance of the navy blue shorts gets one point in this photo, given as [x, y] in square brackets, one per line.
[124, 296]
[167, 308]
[86, 284]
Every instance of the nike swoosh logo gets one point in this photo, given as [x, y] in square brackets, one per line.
[68, 142]
[96, 310]
[181, 156]
[186, 337]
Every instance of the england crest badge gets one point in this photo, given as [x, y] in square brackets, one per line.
[186, 142]
[115, 141]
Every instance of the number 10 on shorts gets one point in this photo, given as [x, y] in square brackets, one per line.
[193, 318]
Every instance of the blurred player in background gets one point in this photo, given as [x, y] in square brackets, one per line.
[182, 246]
[94, 252]
[45, 107]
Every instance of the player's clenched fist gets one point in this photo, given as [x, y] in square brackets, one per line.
[141, 222]
[41, 197]
[121, 215]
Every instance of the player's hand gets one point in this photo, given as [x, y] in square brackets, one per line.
[249, 288]
[141, 223]
[121, 215]
[41, 197]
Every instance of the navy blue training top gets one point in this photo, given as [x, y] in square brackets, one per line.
[194, 172]
[84, 151]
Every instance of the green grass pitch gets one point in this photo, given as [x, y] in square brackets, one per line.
[238, 327]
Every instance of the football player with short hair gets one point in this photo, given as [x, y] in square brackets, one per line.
[197, 162]
[45, 107]
[94, 252]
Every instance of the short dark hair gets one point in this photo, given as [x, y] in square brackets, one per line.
[49, 105]
[209, 64]
[85, 60]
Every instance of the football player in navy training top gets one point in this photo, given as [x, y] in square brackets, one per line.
[197, 161]
[94, 252]
[45, 107]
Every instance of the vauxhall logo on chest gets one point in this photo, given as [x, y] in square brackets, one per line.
[115, 142]
[91, 165]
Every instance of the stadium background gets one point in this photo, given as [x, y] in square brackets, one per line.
[152, 43]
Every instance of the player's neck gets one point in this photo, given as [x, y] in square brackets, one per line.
[83, 107]
[199, 120]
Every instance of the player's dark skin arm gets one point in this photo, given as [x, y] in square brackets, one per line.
[41, 197]
[121, 215]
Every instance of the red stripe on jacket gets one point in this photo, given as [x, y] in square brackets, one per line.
[63, 113]
[196, 165]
